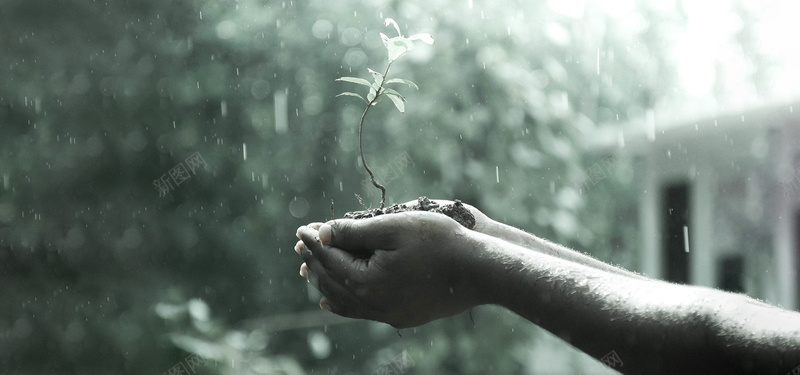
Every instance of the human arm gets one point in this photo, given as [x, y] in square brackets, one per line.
[654, 327]
[410, 268]
[488, 226]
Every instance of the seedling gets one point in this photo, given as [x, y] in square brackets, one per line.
[396, 48]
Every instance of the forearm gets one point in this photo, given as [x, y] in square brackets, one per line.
[761, 338]
[529, 241]
[654, 327]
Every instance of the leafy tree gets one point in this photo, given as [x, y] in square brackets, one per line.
[102, 274]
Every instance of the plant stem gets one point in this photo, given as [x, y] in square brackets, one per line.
[360, 138]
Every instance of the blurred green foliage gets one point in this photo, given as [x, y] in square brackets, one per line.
[100, 274]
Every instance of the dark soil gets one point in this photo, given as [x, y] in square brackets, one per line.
[455, 210]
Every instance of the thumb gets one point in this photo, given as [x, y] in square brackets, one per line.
[362, 235]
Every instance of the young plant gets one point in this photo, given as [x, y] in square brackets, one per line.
[396, 48]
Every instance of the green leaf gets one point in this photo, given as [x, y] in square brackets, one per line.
[359, 81]
[397, 47]
[398, 101]
[371, 94]
[351, 94]
[403, 81]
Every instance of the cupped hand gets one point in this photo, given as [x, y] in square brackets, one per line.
[404, 269]
[482, 222]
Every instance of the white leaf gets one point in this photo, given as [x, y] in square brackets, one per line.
[424, 37]
[390, 21]
[398, 46]
[385, 40]
[403, 81]
[360, 81]
[398, 101]
[352, 94]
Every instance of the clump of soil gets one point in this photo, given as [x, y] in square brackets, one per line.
[455, 210]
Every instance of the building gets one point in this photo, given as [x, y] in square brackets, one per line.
[720, 205]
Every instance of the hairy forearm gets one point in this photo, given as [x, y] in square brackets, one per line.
[529, 241]
[652, 326]
[759, 338]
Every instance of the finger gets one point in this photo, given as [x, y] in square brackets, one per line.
[338, 308]
[310, 276]
[315, 225]
[342, 299]
[331, 289]
[325, 304]
[361, 236]
[304, 270]
[343, 279]
[340, 264]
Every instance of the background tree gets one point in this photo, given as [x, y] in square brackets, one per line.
[101, 274]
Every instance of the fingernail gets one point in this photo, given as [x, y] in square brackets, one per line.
[325, 233]
[324, 305]
[297, 233]
[304, 271]
[297, 249]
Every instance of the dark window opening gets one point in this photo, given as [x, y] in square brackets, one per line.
[675, 213]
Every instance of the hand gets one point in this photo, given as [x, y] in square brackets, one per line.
[487, 226]
[404, 269]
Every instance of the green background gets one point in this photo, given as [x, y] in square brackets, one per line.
[99, 274]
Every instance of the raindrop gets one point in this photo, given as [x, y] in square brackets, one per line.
[650, 123]
[497, 173]
[244, 151]
[686, 238]
[598, 61]
[281, 116]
